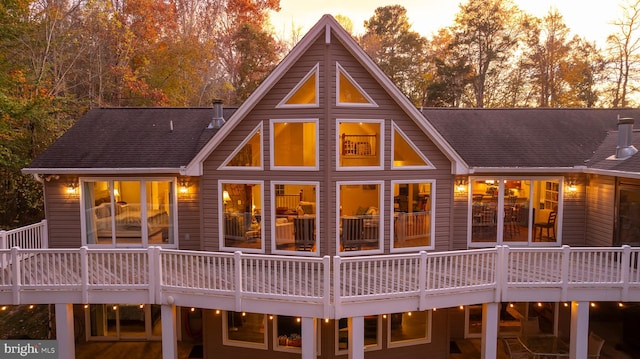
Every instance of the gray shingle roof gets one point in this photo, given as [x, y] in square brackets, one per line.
[530, 137]
[136, 138]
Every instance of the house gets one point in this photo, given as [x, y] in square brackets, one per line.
[327, 216]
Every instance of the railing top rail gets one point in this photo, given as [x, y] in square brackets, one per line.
[23, 228]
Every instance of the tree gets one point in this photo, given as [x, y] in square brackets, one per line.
[398, 51]
[623, 52]
[487, 32]
[547, 53]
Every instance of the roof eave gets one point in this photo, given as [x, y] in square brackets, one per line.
[502, 170]
[104, 171]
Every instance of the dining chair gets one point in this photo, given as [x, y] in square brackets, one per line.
[515, 349]
[595, 346]
[304, 233]
[549, 226]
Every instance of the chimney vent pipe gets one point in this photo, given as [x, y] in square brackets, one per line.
[625, 149]
[218, 118]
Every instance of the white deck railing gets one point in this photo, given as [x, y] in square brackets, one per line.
[31, 236]
[236, 281]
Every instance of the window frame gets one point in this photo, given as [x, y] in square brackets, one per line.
[259, 129]
[432, 228]
[341, 70]
[395, 128]
[272, 153]
[500, 215]
[410, 342]
[144, 240]
[238, 343]
[380, 145]
[367, 348]
[274, 248]
[314, 70]
[221, 212]
[381, 219]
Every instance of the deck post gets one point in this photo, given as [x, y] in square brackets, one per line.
[65, 331]
[490, 319]
[308, 338]
[578, 343]
[356, 338]
[169, 331]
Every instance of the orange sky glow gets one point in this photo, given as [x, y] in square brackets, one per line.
[589, 18]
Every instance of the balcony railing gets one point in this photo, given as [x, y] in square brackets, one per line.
[32, 236]
[318, 287]
[236, 281]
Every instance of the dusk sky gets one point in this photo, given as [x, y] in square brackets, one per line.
[589, 18]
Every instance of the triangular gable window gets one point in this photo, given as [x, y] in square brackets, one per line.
[405, 154]
[349, 93]
[248, 154]
[305, 94]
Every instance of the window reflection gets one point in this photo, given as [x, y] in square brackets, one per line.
[359, 216]
[412, 214]
[241, 220]
[245, 328]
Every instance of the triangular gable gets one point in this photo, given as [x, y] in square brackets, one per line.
[405, 155]
[248, 155]
[305, 93]
[326, 27]
[348, 92]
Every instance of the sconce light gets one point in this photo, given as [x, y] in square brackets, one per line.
[183, 186]
[72, 189]
[571, 189]
[225, 197]
[460, 185]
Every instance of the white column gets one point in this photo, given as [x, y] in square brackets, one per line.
[490, 320]
[64, 331]
[169, 332]
[308, 338]
[579, 330]
[356, 338]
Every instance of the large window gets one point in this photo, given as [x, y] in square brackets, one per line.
[360, 144]
[372, 334]
[359, 216]
[295, 217]
[412, 214]
[241, 219]
[128, 212]
[244, 330]
[513, 209]
[409, 328]
[294, 144]
[628, 223]
[117, 322]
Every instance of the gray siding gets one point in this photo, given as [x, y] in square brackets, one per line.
[327, 176]
[63, 215]
[600, 210]
[437, 348]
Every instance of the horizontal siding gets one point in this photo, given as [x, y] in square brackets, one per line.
[63, 215]
[574, 219]
[189, 230]
[600, 211]
[437, 348]
[327, 176]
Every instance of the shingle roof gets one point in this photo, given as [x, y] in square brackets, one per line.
[530, 138]
[134, 138]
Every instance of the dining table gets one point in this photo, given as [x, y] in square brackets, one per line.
[545, 346]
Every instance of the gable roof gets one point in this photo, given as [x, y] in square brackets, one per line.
[326, 27]
[525, 138]
[129, 140]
